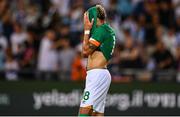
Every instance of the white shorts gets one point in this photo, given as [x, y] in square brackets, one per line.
[97, 86]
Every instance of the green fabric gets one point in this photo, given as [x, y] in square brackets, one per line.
[93, 14]
[106, 36]
[83, 115]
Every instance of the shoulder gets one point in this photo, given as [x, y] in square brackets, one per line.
[99, 32]
[99, 29]
[108, 29]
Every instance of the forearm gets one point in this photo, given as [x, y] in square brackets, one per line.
[85, 41]
[85, 45]
[88, 48]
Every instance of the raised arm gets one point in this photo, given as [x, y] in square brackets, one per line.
[88, 47]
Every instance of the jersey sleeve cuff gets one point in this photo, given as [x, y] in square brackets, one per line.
[95, 42]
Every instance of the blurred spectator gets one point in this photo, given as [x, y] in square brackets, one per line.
[178, 58]
[3, 42]
[130, 54]
[76, 24]
[105, 3]
[66, 56]
[159, 33]
[11, 68]
[78, 65]
[47, 58]
[50, 18]
[7, 24]
[166, 12]
[176, 5]
[170, 40]
[2, 58]
[124, 7]
[27, 60]
[162, 57]
[114, 62]
[19, 9]
[178, 38]
[17, 38]
[138, 7]
[62, 6]
[130, 24]
[140, 31]
[177, 25]
[32, 15]
[64, 32]
[3, 47]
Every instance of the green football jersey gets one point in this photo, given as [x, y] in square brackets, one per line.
[104, 38]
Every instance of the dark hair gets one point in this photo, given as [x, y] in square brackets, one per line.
[101, 12]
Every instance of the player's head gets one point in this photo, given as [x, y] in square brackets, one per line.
[101, 13]
[97, 13]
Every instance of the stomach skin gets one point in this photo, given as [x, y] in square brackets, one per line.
[96, 61]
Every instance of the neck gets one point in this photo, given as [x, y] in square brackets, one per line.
[101, 22]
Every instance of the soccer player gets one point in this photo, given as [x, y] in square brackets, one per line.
[98, 46]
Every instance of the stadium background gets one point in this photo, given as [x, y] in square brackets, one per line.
[40, 45]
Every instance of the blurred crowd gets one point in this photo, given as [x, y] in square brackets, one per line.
[46, 35]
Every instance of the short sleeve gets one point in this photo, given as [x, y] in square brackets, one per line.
[97, 37]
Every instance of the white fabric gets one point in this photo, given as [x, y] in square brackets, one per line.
[11, 67]
[97, 84]
[170, 43]
[16, 40]
[176, 3]
[3, 42]
[48, 57]
[105, 3]
[66, 57]
[62, 6]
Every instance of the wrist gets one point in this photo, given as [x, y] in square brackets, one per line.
[86, 32]
[87, 28]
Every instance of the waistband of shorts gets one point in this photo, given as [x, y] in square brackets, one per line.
[97, 70]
